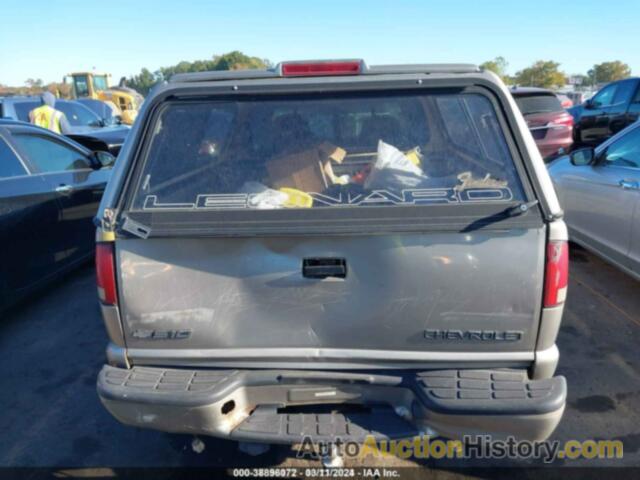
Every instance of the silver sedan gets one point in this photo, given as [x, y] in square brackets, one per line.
[599, 190]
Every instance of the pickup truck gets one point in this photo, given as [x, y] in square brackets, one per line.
[613, 108]
[330, 250]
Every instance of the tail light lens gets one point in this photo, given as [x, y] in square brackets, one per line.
[564, 120]
[305, 69]
[106, 274]
[556, 274]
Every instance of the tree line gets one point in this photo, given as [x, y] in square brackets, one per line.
[547, 73]
[542, 73]
[145, 80]
[35, 86]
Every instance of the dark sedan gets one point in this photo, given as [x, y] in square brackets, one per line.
[50, 188]
[87, 128]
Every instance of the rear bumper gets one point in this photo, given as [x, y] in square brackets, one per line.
[283, 406]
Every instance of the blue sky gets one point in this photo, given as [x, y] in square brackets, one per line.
[48, 38]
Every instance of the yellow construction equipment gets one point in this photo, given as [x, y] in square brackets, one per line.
[96, 85]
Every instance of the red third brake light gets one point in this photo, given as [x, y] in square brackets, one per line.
[556, 274]
[307, 69]
[105, 273]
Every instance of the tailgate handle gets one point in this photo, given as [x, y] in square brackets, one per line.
[324, 267]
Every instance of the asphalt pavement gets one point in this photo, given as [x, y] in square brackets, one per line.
[52, 348]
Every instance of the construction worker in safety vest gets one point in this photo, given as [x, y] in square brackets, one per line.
[46, 116]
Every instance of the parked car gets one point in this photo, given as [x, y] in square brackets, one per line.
[599, 190]
[108, 112]
[50, 188]
[613, 108]
[578, 98]
[565, 100]
[324, 236]
[87, 128]
[549, 123]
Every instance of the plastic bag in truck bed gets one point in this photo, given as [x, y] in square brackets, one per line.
[264, 198]
[393, 169]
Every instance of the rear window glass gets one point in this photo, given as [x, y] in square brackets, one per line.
[405, 149]
[531, 104]
[78, 115]
[23, 109]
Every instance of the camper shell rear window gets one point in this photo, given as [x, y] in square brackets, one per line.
[326, 152]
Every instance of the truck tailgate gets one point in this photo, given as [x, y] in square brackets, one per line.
[405, 298]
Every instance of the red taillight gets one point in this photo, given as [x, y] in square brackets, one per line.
[565, 120]
[567, 103]
[106, 274]
[556, 274]
[302, 69]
